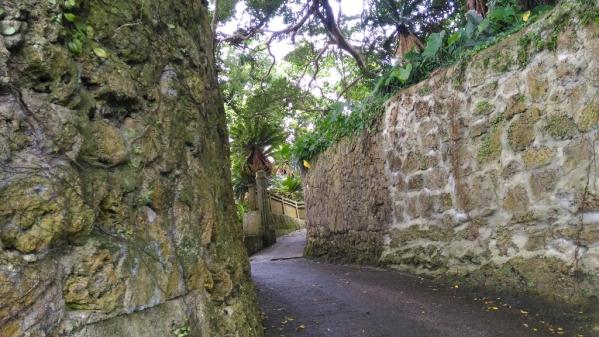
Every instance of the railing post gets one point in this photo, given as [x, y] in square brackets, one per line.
[269, 235]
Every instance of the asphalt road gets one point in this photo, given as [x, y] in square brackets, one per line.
[301, 297]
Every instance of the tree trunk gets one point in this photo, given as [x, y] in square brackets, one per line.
[407, 42]
[480, 6]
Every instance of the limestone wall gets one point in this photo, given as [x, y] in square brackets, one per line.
[116, 216]
[284, 224]
[490, 166]
[347, 201]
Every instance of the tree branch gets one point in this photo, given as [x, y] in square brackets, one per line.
[328, 20]
[349, 86]
[214, 22]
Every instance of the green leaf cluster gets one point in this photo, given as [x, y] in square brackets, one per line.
[442, 48]
[343, 120]
[289, 186]
[76, 31]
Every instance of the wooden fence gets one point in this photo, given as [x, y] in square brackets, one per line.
[281, 205]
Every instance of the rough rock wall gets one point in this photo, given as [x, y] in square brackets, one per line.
[492, 167]
[284, 224]
[116, 216]
[347, 201]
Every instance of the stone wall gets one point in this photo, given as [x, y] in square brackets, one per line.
[490, 168]
[116, 216]
[284, 224]
[347, 201]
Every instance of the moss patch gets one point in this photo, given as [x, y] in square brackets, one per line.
[521, 131]
[491, 145]
[483, 108]
[537, 156]
[360, 247]
[589, 117]
[400, 237]
[561, 127]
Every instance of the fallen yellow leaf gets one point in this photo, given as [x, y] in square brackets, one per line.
[526, 16]
[100, 52]
[306, 164]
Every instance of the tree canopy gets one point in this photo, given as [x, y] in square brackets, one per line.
[339, 65]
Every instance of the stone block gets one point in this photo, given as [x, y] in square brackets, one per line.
[510, 169]
[538, 156]
[543, 182]
[588, 119]
[395, 162]
[436, 178]
[579, 151]
[490, 148]
[537, 84]
[515, 106]
[402, 236]
[521, 132]
[422, 109]
[103, 144]
[516, 200]
[483, 190]
[416, 182]
[561, 127]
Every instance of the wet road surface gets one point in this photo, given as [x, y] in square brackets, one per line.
[301, 297]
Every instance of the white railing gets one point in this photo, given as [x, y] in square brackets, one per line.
[282, 205]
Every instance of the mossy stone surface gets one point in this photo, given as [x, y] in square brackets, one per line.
[491, 145]
[521, 131]
[115, 209]
[561, 127]
[534, 157]
[589, 117]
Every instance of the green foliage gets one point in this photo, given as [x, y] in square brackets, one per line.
[588, 12]
[337, 124]
[76, 31]
[241, 208]
[419, 17]
[264, 109]
[289, 186]
[442, 49]
[434, 42]
[241, 175]
[253, 132]
[483, 107]
[183, 331]
[226, 9]
[499, 19]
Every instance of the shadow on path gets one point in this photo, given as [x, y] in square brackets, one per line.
[301, 297]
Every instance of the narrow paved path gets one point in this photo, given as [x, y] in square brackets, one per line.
[301, 297]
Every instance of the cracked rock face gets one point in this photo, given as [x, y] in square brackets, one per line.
[115, 216]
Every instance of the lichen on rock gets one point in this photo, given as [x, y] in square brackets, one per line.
[115, 216]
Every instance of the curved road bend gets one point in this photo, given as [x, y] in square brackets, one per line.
[301, 297]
